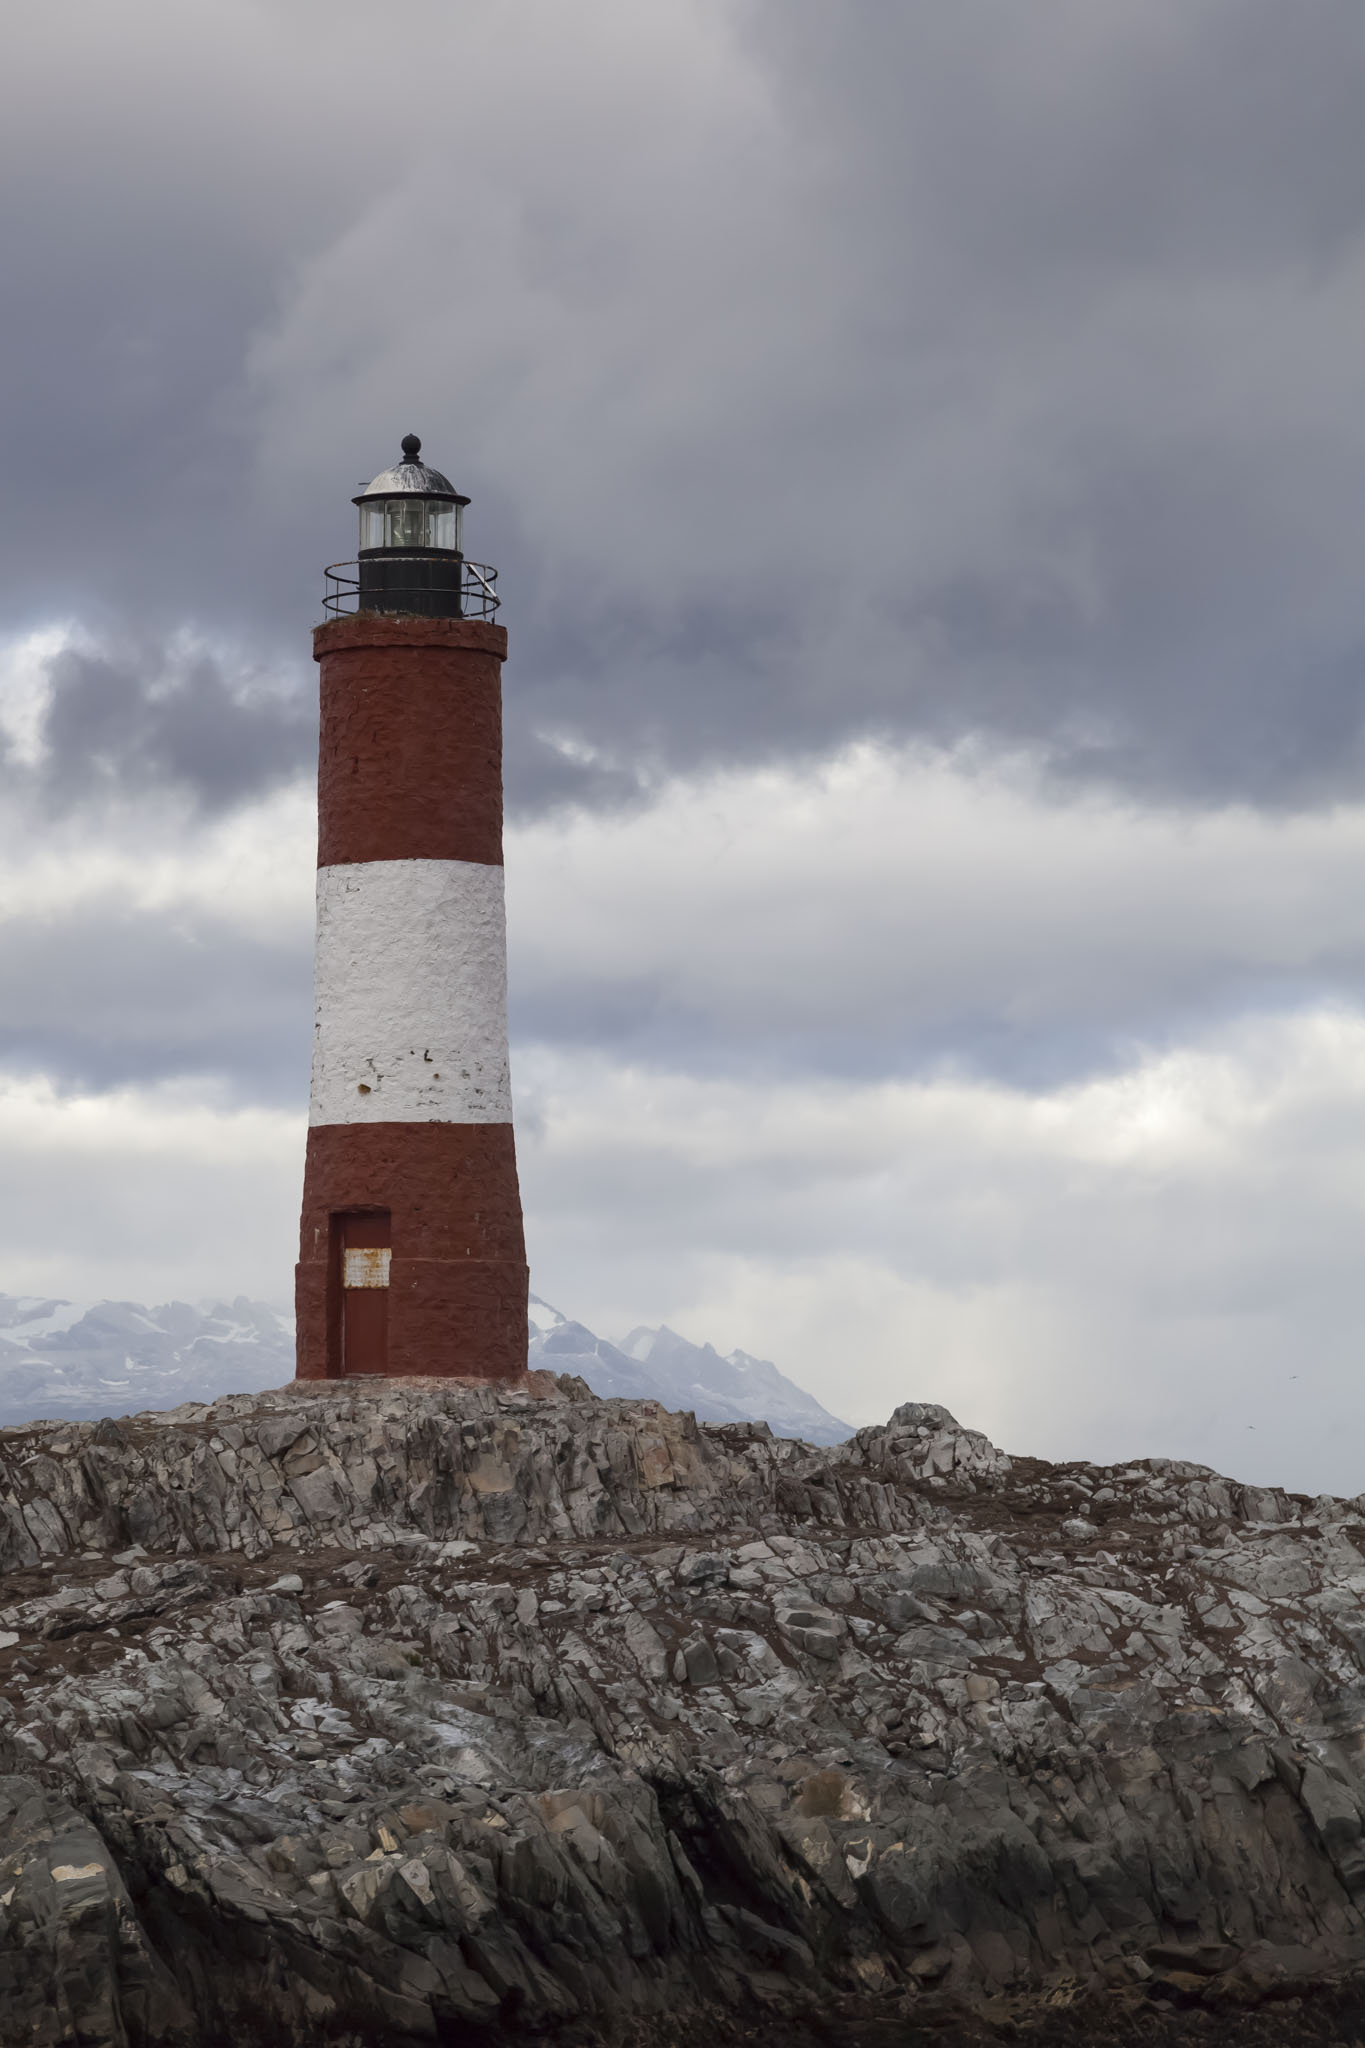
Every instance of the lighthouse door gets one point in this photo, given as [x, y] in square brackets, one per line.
[365, 1255]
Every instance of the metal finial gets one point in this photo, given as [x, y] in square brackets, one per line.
[412, 447]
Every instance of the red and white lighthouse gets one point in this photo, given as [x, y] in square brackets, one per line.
[412, 1257]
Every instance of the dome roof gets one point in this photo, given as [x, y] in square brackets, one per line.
[410, 479]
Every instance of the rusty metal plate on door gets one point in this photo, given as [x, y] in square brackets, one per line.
[365, 1266]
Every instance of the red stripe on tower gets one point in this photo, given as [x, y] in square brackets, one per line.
[412, 1257]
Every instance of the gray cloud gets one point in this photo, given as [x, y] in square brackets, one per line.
[945, 372]
[106, 997]
[894, 916]
[1165, 1264]
[887, 916]
[970, 371]
[986, 375]
[121, 724]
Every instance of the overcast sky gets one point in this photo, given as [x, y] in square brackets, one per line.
[922, 443]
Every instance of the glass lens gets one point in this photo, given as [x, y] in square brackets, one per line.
[410, 523]
[405, 523]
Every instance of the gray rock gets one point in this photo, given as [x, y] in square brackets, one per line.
[406, 1712]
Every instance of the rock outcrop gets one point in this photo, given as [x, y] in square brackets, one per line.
[429, 1713]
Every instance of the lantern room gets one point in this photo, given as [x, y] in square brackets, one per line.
[411, 552]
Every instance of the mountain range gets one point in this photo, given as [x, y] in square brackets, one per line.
[72, 1360]
[659, 1365]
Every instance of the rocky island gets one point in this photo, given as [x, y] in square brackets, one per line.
[435, 1713]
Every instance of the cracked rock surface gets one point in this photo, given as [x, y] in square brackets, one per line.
[423, 1712]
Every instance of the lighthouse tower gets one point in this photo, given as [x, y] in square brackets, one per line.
[411, 1258]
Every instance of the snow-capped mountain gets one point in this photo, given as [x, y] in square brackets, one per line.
[81, 1359]
[659, 1365]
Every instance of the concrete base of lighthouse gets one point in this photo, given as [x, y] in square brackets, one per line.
[451, 1296]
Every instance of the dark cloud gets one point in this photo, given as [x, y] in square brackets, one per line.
[539, 776]
[134, 721]
[125, 725]
[907, 369]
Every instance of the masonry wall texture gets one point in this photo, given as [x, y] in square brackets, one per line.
[411, 994]
[458, 1282]
[410, 1066]
[436, 1713]
[411, 717]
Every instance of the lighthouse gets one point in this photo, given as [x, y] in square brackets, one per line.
[412, 1258]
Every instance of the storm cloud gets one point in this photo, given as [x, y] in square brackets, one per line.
[910, 370]
[118, 726]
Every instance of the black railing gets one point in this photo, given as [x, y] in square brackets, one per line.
[425, 584]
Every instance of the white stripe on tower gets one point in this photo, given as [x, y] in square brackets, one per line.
[411, 994]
